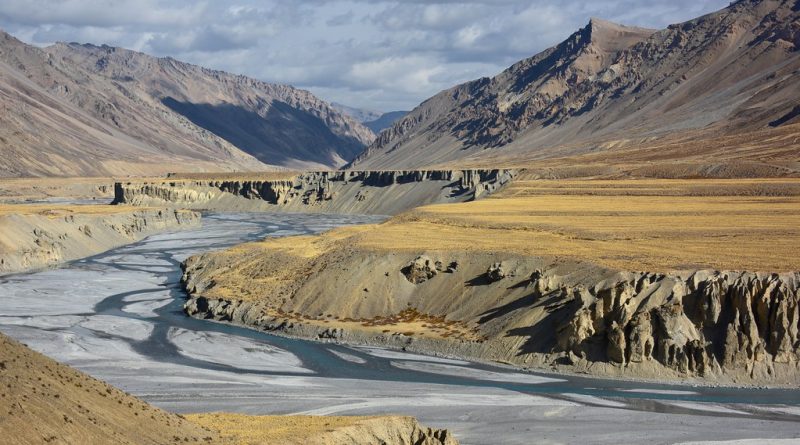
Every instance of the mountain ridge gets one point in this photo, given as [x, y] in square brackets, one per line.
[82, 109]
[727, 71]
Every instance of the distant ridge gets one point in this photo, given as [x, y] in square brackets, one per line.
[84, 110]
[385, 121]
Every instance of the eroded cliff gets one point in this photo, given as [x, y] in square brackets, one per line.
[364, 192]
[37, 236]
[724, 326]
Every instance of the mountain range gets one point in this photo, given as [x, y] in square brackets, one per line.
[612, 93]
[717, 95]
[83, 110]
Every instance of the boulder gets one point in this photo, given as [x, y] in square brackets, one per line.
[495, 272]
[421, 269]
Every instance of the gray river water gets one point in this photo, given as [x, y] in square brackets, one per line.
[118, 317]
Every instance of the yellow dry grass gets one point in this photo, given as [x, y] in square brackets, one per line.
[56, 211]
[241, 429]
[653, 225]
[409, 322]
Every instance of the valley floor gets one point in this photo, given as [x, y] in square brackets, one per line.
[117, 316]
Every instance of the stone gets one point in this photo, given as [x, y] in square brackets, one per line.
[421, 269]
[495, 272]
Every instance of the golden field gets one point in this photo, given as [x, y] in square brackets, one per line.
[238, 429]
[653, 225]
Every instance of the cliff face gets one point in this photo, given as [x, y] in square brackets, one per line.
[706, 324]
[366, 192]
[37, 237]
[726, 327]
[609, 85]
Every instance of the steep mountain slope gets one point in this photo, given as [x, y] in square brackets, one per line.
[277, 124]
[610, 86]
[43, 133]
[85, 110]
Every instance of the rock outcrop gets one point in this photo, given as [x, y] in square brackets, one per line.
[388, 431]
[323, 430]
[705, 324]
[375, 192]
[422, 269]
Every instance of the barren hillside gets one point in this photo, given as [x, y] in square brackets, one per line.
[81, 110]
[46, 402]
[609, 87]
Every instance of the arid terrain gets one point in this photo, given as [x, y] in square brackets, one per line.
[695, 90]
[606, 277]
[598, 244]
[85, 110]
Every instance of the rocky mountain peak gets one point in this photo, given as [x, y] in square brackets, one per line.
[610, 36]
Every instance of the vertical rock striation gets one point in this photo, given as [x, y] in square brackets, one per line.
[705, 324]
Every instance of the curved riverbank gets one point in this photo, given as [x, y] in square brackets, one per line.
[637, 279]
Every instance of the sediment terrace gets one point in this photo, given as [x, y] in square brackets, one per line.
[354, 192]
[689, 279]
[34, 236]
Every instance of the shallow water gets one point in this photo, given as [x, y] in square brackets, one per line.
[118, 317]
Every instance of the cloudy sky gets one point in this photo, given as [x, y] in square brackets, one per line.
[376, 54]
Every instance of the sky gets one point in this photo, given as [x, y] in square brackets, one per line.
[373, 54]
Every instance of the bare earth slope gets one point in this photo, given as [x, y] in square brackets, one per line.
[84, 110]
[609, 87]
[43, 401]
[38, 236]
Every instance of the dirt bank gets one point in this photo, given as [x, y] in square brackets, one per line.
[37, 236]
[323, 430]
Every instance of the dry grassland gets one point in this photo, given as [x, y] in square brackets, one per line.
[241, 429]
[653, 225]
[58, 211]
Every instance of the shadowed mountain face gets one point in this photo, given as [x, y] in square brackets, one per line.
[610, 86]
[81, 110]
[282, 135]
